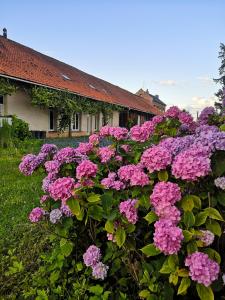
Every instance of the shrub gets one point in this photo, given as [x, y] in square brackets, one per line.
[20, 129]
[140, 218]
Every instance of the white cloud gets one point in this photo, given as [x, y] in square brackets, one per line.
[168, 82]
[197, 103]
[205, 79]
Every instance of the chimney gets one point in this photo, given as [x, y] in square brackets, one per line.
[5, 33]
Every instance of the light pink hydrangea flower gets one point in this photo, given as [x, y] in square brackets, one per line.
[99, 271]
[171, 213]
[202, 269]
[207, 237]
[139, 178]
[92, 256]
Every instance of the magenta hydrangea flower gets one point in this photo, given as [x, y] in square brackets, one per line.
[157, 119]
[106, 153]
[94, 139]
[86, 169]
[104, 131]
[99, 271]
[44, 198]
[169, 212]
[61, 189]
[119, 133]
[125, 172]
[139, 178]
[111, 182]
[92, 256]
[207, 237]
[156, 158]
[202, 269]
[186, 119]
[191, 164]
[139, 133]
[67, 155]
[165, 194]
[173, 112]
[148, 126]
[36, 214]
[167, 237]
[126, 148]
[85, 148]
[52, 166]
[129, 210]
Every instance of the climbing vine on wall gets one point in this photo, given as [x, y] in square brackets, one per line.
[6, 87]
[66, 104]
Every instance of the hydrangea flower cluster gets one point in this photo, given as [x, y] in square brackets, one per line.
[111, 182]
[86, 169]
[207, 237]
[167, 236]
[139, 133]
[202, 269]
[36, 214]
[106, 153]
[94, 139]
[129, 210]
[61, 189]
[85, 148]
[192, 164]
[156, 158]
[91, 259]
[119, 133]
[31, 162]
[55, 216]
[68, 155]
[204, 115]
[49, 149]
[220, 182]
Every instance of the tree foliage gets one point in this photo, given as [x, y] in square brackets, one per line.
[221, 80]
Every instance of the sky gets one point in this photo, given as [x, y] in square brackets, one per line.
[167, 46]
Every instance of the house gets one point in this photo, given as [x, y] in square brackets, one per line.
[26, 67]
[154, 100]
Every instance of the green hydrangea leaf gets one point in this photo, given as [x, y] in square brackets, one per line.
[150, 250]
[184, 285]
[204, 293]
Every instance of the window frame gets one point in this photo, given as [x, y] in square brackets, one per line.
[75, 120]
[2, 111]
[51, 113]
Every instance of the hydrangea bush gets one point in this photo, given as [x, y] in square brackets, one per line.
[141, 218]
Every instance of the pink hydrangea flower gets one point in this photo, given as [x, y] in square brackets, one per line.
[49, 148]
[118, 158]
[171, 213]
[67, 155]
[28, 164]
[125, 172]
[157, 119]
[104, 131]
[85, 148]
[52, 166]
[94, 139]
[139, 178]
[149, 126]
[99, 271]
[202, 269]
[111, 182]
[44, 198]
[191, 164]
[36, 214]
[119, 133]
[106, 153]
[92, 256]
[139, 133]
[86, 169]
[128, 208]
[111, 237]
[167, 237]
[165, 194]
[156, 158]
[173, 112]
[61, 189]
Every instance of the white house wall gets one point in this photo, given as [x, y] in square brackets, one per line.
[19, 104]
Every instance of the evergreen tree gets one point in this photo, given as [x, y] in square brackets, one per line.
[220, 104]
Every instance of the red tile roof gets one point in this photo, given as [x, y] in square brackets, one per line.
[21, 62]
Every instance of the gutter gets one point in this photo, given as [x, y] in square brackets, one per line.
[73, 93]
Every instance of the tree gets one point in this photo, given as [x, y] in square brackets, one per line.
[220, 104]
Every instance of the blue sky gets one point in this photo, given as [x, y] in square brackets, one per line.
[167, 46]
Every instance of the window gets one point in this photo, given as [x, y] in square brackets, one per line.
[51, 120]
[96, 125]
[75, 122]
[1, 106]
[139, 120]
